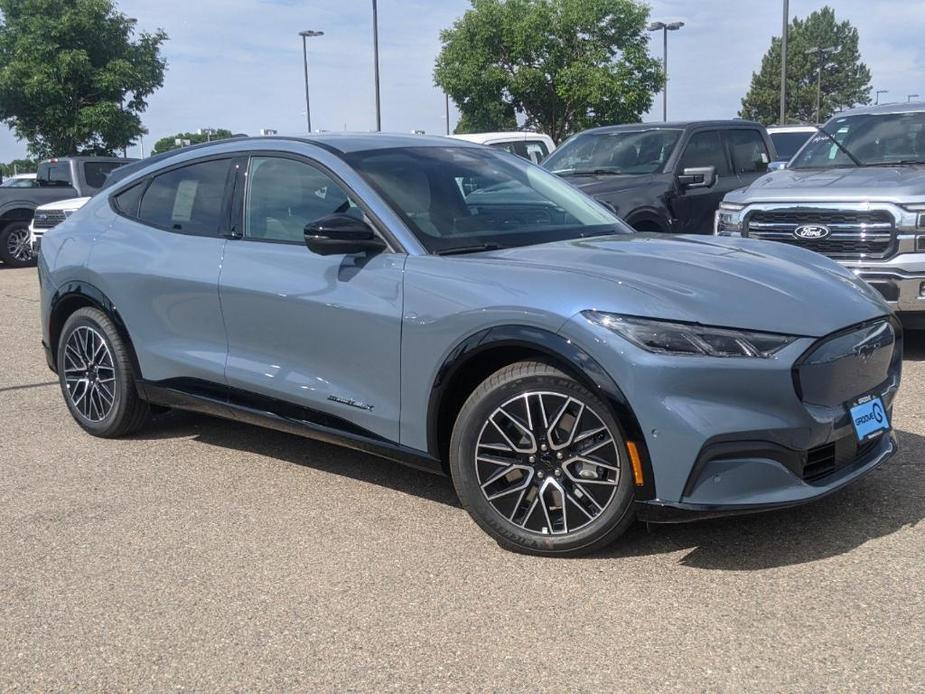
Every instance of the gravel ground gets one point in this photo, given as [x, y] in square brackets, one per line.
[206, 555]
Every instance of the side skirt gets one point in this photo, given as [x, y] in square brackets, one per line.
[218, 401]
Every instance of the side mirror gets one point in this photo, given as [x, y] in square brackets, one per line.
[697, 177]
[340, 234]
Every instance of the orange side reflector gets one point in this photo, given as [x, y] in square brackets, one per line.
[636, 463]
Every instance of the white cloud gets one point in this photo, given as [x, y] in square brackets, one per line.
[238, 63]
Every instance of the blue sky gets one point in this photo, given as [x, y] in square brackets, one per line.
[238, 63]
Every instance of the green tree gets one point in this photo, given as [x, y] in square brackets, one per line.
[563, 65]
[74, 75]
[18, 166]
[845, 79]
[165, 144]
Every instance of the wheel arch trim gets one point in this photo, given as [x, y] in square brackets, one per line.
[564, 354]
[83, 294]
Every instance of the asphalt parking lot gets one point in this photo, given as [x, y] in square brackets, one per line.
[205, 555]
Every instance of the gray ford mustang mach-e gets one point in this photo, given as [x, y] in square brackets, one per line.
[464, 311]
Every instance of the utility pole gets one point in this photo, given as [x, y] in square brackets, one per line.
[447, 97]
[783, 64]
[376, 65]
[821, 54]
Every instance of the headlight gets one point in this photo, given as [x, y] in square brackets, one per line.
[728, 219]
[665, 337]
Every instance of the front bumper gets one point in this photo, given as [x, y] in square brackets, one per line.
[731, 436]
[900, 279]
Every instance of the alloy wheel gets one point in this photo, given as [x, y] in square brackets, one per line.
[547, 463]
[89, 374]
[19, 246]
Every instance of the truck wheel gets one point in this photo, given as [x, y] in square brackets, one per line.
[15, 245]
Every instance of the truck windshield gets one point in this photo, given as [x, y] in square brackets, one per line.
[888, 139]
[466, 199]
[643, 151]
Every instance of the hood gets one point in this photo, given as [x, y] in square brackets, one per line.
[901, 184]
[68, 204]
[727, 282]
[608, 183]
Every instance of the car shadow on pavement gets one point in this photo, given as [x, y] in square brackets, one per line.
[301, 451]
[914, 345]
[886, 501]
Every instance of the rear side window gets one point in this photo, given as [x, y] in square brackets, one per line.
[509, 147]
[187, 200]
[749, 153]
[95, 172]
[536, 150]
[705, 149]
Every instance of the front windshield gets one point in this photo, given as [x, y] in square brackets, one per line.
[616, 152]
[866, 140]
[461, 199]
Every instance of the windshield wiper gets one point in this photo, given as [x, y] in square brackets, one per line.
[459, 250]
[838, 144]
[590, 172]
[900, 162]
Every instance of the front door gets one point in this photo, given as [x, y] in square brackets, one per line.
[694, 207]
[320, 332]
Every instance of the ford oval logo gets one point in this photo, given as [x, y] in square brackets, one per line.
[811, 232]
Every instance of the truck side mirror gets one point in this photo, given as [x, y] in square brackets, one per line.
[697, 177]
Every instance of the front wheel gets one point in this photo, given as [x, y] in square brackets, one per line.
[540, 464]
[16, 245]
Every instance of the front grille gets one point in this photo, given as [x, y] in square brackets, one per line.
[49, 219]
[823, 460]
[854, 234]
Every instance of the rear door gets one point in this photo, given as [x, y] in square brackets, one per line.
[159, 263]
[695, 206]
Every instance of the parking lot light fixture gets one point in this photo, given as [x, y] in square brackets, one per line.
[910, 97]
[665, 27]
[878, 93]
[307, 34]
[821, 55]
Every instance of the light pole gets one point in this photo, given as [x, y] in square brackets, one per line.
[783, 64]
[665, 28]
[910, 97]
[820, 54]
[878, 93]
[376, 64]
[306, 35]
[447, 97]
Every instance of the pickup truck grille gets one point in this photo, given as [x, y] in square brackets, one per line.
[854, 234]
[49, 219]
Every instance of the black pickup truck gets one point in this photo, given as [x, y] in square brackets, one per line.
[667, 177]
[56, 179]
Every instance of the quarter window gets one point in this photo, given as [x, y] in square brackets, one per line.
[187, 200]
[705, 149]
[285, 195]
[749, 153]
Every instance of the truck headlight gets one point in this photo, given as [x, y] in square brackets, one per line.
[667, 337]
[728, 219]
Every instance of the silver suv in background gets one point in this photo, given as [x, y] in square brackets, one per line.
[856, 193]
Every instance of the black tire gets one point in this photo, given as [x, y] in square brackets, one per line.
[10, 245]
[505, 389]
[125, 412]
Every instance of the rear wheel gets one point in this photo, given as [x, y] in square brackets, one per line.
[15, 245]
[95, 372]
[540, 463]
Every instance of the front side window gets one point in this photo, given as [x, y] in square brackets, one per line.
[459, 198]
[187, 200]
[749, 152]
[616, 152]
[285, 195]
[886, 139]
[705, 148]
